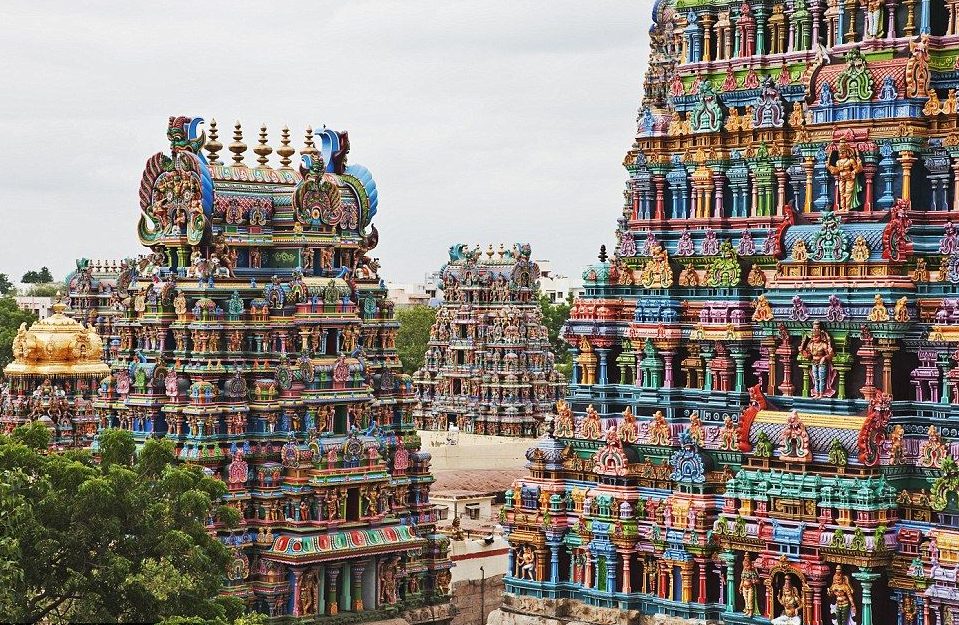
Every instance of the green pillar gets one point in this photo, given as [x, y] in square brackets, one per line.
[345, 599]
[729, 558]
[866, 578]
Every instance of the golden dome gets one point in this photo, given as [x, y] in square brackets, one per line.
[57, 345]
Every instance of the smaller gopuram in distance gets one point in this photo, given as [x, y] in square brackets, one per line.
[488, 368]
[255, 334]
[57, 366]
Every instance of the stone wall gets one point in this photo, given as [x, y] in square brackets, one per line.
[473, 600]
[531, 611]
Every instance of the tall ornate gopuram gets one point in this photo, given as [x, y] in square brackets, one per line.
[489, 366]
[761, 421]
[256, 335]
[57, 368]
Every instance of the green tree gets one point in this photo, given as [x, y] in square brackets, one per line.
[413, 335]
[44, 275]
[120, 540]
[10, 319]
[31, 277]
[554, 318]
[5, 285]
[49, 289]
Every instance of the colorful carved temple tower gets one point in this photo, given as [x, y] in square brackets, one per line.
[760, 425]
[256, 335]
[489, 366]
[57, 368]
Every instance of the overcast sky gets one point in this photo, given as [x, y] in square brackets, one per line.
[487, 121]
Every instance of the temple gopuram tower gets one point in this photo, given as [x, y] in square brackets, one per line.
[57, 368]
[256, 335]
[489, 366]
[761, 424]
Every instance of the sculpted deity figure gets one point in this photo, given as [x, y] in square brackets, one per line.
[749, 581]
[846, 171]
[729, 439]
[795, 440]
[873, 18]
[845, 605]
[696, 432]
[879, 312]
[746, 29]
[917, 69]
[763, 311]
[933, 450]
[791, 601]
[527, 563]
[817, 347]
[591, 427]
[896, 444]
[658, 429]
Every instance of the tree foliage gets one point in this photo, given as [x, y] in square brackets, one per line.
[48, 289]
[10, 319]
[121, 540]
[554, 318]
[37, 277]
[6, 287]
[413, 335]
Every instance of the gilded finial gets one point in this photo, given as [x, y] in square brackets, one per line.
[285, 151]
[263, 150]
[489, 251]
[501, 250]
[308, 147]
[213, 145]
[238, 147]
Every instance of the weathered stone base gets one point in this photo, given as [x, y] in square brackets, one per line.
[475, 600]
[531, 611]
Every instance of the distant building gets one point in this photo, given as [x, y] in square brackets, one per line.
[40, 306]
[423, 293]
[555, 286]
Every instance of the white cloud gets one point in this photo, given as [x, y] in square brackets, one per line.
[481, 121]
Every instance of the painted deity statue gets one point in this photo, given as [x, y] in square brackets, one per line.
[749, 582]
[846, 171]
[873, 18]
[795, 440]
[917, 69]
[658, 430]
[933, 450]
[746, 30]
[845, 606]
[791, 601]
[817, 347]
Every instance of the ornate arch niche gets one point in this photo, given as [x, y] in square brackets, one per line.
[783, 568]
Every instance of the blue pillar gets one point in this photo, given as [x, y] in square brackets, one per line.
[886, 175]
[554, 563]
[611, 573]
[924, 19]
[574, 353]
[510, 560]
[841, 24]
[822, 179]
[603, 355]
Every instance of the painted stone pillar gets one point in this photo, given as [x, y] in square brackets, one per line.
[357, 593]
[660, 181]
[574, 353]
[554, 563]
[511, 553]
[906, 159]
[295, 591]
[891, 18]
[809, 164]
[332, 606]
[701, 598]
[851, 21]
[866, 578]
[627, 558]
[603, 356]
